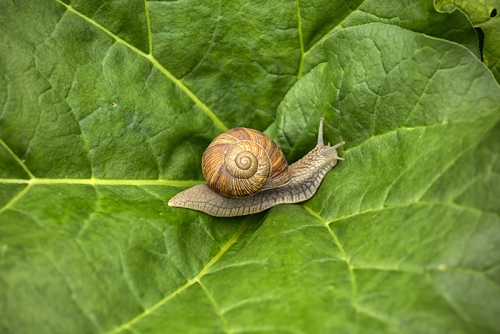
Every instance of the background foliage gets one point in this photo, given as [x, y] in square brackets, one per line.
[107, 106]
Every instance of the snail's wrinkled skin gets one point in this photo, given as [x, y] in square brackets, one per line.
[306, 176]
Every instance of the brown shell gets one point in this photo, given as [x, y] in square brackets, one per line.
[241, 162]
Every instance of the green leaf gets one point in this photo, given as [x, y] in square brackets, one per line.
[478, 11]
[484, 15]
[491, 55]
[107, 107]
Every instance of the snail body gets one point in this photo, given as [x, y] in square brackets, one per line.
[284, 184]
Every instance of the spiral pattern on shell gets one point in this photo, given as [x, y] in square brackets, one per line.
[240, 162]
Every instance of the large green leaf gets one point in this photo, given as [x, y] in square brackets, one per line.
[107, 107]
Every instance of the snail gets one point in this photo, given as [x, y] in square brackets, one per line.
[247, 173]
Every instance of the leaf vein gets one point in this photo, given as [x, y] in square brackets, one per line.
[66, 280]
[64, 98]
[344, 255]
[440, 292]
[125, 271]
[450, 164]
[473, 181]
[301, 40]
[19, 161]
[105, 182]
[216, 306]
[379, 317]
[128, 324]
[209, 46]
[148, 23]
[14, 199]
[217, 122]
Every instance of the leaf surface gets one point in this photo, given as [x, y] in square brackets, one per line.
[107, 107]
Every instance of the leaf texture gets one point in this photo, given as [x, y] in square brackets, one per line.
[107, 107]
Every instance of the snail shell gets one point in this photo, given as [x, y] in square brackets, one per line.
[305, 177]
[241, 162]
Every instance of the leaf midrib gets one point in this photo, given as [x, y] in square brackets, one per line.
[105, 182]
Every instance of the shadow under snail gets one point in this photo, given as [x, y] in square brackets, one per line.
[247, 173]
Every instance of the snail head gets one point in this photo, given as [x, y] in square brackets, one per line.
[327, 150]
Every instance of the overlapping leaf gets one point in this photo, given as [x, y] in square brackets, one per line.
[484, 15]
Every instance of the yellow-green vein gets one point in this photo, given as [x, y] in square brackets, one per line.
[148, 23]
[19, 161]
[104, 182]
[299, 27]
[156, 64]
[344, 255]
[192, 281]
[216, 306]
[15, 199]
